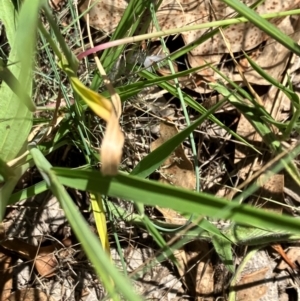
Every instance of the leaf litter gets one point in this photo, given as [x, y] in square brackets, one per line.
[185, 13]
[243, 36]
[194, 263]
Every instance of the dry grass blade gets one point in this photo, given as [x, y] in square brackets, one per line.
[113, 140]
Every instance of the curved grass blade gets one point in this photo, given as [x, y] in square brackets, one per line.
[109, 275]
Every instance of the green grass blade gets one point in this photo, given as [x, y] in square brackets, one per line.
[264, 25]
[194, 44]
[7, 188]
[151, 162]
[12, 82]
[289, 93]
[127, 26]
[68, 54]
[193, 104]
[8, 17]
[253, 114]
[28, 192]
[90, 243]
[133, 89]
[293, 96]
[152, 193]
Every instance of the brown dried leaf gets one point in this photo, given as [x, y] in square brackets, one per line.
[30, 294]
[273, 58]
[177, 170]
[251, 288]
[45, 261]
[104, 15]
[171, 216]
[207, 74]
[43, 257]
[175, 14]
[199, 269]
[271, 190]
[6, 277]
[240, 37]
[246, 160]
[193, 265]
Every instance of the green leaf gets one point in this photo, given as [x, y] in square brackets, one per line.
[15, 117]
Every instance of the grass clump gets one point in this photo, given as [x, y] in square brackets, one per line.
[55, 104]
